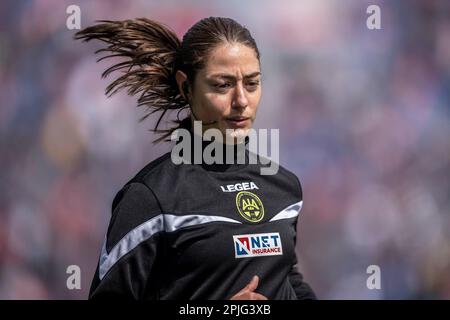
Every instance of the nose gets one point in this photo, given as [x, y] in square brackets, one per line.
[240, 97]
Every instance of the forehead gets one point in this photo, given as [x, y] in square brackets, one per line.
[232, 58]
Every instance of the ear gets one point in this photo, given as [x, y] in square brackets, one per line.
[181, 78]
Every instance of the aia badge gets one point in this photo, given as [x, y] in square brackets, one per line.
[249, 206]
[257, 245]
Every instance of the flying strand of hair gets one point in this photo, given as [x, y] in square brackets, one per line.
[150, 51]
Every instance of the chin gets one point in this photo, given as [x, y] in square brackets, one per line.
[236, 135]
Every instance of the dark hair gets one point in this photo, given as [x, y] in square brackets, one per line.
[154, 53]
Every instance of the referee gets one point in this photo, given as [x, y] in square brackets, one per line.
[197, 231]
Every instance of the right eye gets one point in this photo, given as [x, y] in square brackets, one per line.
[222, 85]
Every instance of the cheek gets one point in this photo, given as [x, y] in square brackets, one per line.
[215, 103]
[254, 101]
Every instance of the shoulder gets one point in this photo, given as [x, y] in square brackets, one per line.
[159, 177]
[136, 202]
[160, 164]
[158, 174]
[138, 187]
[279, 172]
[291, 177]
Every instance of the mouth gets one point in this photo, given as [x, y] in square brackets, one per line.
[238, 121]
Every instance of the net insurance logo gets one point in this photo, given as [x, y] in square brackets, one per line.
[257, 245]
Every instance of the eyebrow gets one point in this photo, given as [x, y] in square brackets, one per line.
[232, 77]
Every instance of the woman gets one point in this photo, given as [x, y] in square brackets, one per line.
[197, 231]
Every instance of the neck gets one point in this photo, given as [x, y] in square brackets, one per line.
[216, 155]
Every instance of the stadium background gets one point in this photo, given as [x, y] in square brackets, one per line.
[364, 118]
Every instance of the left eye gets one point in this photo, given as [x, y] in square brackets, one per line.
[253, 84]
[222, 85]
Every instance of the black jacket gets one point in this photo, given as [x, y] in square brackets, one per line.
[197, 231]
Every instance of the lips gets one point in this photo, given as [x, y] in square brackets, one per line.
[238, 121]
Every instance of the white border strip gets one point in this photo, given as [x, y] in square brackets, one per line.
[290, 212]
[143, 232]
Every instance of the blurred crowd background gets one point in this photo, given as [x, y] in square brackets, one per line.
[364, 123]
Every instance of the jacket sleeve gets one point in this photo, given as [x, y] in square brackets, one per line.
[130, 257]
[301, 288]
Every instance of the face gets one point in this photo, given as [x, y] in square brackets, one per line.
[228, 90]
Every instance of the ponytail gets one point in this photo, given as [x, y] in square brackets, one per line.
[151, 51]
